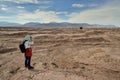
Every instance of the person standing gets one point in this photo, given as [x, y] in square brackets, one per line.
[28, 52]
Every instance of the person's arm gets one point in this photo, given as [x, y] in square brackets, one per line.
[28, 44]
[31, 42]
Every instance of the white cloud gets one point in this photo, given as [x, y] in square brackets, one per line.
[3, 7]
[30, 1]
[63, 13]
[3, 17]
[83, 5]
[45, 2]
[23, 1]
[20, 7]
[42, 16]
[78, 5]
[107, 14]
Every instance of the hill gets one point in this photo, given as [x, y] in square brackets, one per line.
[54, 25]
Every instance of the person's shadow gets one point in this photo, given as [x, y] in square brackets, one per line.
[37, 70]
[34, 70]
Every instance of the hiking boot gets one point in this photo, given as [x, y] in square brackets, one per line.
[30, 67]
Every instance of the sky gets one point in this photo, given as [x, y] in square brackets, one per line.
[105, 12]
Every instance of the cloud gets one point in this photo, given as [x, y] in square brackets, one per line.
[78, 5]
[83, 5]
[63, 13]
[29, 1]
[42, 16]
[20, 7]
[106, 14]
[3, 17]
[3, 7]
[23, 1]
[45, 2]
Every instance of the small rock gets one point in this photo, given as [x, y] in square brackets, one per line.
[55, 65]
[45, 64]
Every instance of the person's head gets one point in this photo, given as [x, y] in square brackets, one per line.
[28, 38]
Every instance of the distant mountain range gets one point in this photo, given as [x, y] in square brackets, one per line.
[8, 24]
[52, 24]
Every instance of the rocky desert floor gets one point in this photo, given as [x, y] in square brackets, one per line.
[61, 54]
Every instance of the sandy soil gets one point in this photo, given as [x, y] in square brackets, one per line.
[61, 54]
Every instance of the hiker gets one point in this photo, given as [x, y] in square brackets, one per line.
[28, 52]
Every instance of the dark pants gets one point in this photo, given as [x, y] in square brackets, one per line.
[27, 61]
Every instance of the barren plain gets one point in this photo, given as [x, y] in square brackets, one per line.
[61, 54]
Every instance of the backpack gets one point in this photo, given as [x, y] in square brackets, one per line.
[22, 47]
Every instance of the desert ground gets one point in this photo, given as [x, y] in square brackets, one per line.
[61, 54]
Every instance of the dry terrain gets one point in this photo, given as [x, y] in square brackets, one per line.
[61, 54]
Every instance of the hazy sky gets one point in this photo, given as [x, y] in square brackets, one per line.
[75, 11]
